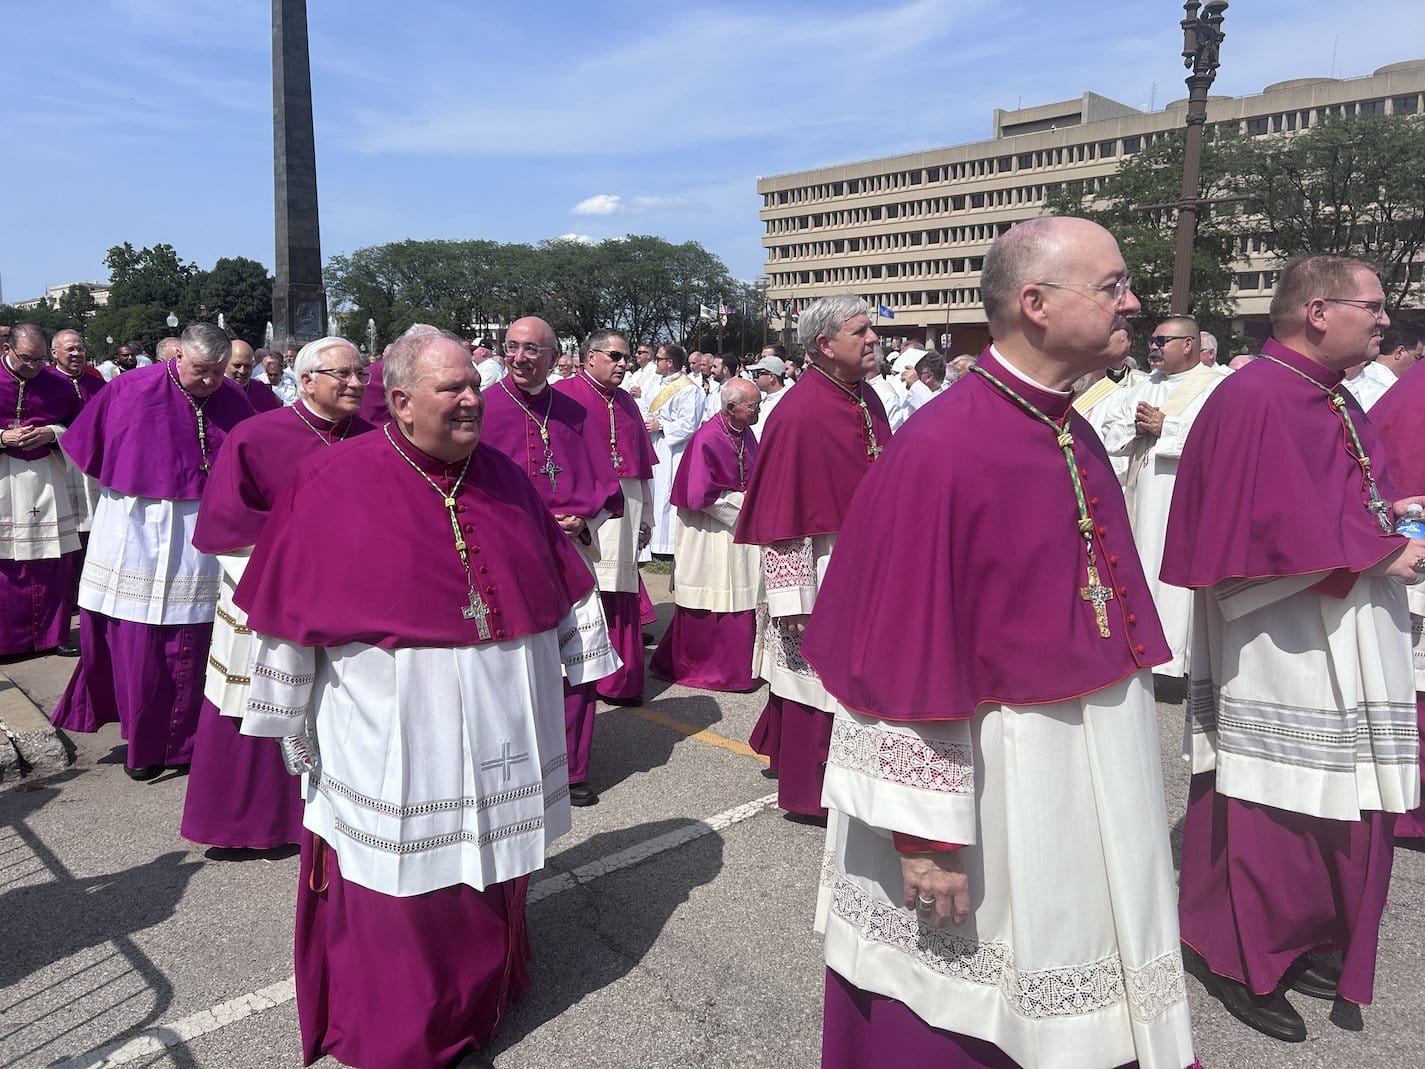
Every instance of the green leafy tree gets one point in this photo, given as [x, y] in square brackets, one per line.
[76, 305]
[1349, 185]
[43, 316]
[151, 276]
[241, 289]
[1135, 204]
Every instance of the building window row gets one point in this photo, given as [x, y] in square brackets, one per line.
[979, 234]
[854, 273]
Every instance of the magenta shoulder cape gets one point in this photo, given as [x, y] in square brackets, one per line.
[373, 401]
[258, 460]
[957, 574]
[85, 386]
[49, 398]
[358, 548]
[262, 397]
[1266, 485]
[709, 466]
[635, 447]
[587, 485]
[813, 455]
[1399, 420]
[139, 436]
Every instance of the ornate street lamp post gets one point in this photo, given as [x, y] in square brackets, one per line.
[1202, 41]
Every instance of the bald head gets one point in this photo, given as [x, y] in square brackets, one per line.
[741, 400]
[531, 348]
[241, 362]
[67, 353]
[1029, 252]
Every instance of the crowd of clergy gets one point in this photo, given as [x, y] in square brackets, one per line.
[371, 607]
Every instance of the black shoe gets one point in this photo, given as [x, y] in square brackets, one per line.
[67, 649]
[143, 772]
[1317, 978]
[634, 701]
[1272, 1015]
[581, 794]
[473, 1059]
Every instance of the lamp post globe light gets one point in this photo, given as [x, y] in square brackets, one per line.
[172, 321]
[1202, 45]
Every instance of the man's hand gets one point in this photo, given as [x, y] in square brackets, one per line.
[26, 437]
[1404, 566]
[652, 425]
[645, 535]
[1405, 502]
[793, 625]
[940, 876]
[570, 525]
[1148, 420]
[635, 391]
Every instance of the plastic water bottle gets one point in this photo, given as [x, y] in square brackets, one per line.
[1412, 524]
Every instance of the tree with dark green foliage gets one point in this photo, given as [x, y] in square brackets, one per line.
[241, 289]
[639, 283]
[1136, 205]
[1354, 186]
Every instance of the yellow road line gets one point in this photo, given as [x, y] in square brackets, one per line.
[712, 738]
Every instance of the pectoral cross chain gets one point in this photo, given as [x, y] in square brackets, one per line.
[1100, 596]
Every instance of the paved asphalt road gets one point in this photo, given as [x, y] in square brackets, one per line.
[671, 929]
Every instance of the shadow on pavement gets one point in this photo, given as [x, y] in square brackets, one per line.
[625, 745]
[592, 936]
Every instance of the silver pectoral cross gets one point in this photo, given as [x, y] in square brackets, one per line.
[478, 611]
[505, 761]
[1381, 508]
[551, 469]
[617, 458]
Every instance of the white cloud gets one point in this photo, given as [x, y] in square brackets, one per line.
[598, 204]
[582, 239]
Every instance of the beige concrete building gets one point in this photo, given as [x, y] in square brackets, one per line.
[910, 232]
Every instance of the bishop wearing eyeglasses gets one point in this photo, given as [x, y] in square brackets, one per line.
[564, 451]
[239, 793]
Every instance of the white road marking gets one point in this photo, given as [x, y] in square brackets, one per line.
[155, 1040]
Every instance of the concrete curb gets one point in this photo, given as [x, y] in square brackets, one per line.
[30, 746]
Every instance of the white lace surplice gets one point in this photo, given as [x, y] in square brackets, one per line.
[226, 682]
[37, 520]
[792, 571]
[141, 564]
[427, 767]
[1070, 958]
[710, 571]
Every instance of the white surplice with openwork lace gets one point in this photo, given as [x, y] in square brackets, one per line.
[792, 571]
[1070, 958]
[430, 767]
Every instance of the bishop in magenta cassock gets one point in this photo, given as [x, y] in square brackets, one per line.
[812, 455]
[241, 362]
[564, 451]
[716, 582]
[424, 707]
[39, 538]
[1398, 423]
[1301, 703]
[146, 596]
[239, 793]
[620, 422]
[999, 884]
[68, 354]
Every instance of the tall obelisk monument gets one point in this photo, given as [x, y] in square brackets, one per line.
[299, 303]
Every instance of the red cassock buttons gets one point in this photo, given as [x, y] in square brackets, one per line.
[1102, 530]
[1133, 619]
[1113, 558]
[1142, 649]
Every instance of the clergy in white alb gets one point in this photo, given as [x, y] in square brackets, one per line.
[424, 706]
[1147, 425]
[675, 411]
[70, 358]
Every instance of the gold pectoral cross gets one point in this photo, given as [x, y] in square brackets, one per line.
[478, 611]
[1100, 596]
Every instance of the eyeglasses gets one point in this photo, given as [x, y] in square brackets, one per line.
[613, 354]
[1117, 290]
[1158, 341]
[1375, 308]
[345, 374]
[528, 348]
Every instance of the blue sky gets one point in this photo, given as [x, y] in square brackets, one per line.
[150, 120]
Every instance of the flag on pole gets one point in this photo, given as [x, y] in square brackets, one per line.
[884, 312]
[704, 312]
[794, 313]
[724, 311]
